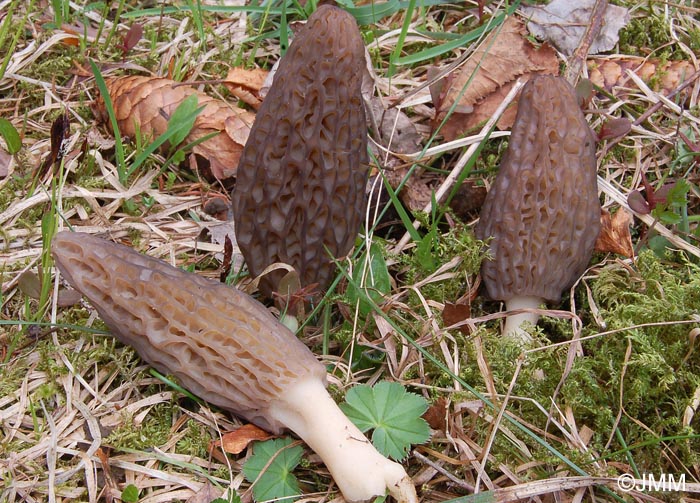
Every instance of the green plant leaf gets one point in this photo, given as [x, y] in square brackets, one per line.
[277, 481]
[130, 494]
[393, 413]
[374, 280]
[182, 119]
[12, 139]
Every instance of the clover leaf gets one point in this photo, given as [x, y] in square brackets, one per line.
[393, 413]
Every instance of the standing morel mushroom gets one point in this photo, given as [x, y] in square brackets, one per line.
[300, 190]
[227, 348]
[542, 212]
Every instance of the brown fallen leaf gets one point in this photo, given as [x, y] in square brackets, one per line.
[664, 77]
[504, 56]
[468, 200]
[436, 415]
[455, 313]
[245, 84]
[60, 132]
[235, 442]
[206, 494]
[417, 191]
[30, 285]
[144, 104]
[614, 234]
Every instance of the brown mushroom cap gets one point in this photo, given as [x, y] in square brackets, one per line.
[300, 188]
[221, 344]
[542, 211]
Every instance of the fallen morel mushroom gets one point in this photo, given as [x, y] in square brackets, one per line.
[227, 348]
[300, 188]
[542, 212]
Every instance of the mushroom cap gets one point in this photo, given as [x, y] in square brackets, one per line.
[542, 212]
[220, 343]
[301, 182]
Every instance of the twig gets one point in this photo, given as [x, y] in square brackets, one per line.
[457, 481]
[578, 59]
[656, 106]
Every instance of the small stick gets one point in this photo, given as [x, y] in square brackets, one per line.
[578, 58]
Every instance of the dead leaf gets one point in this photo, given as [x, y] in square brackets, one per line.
[563, 23]
[144, 104]
[60, 131]
[468, 200]
[394, 131]
[235, 442]
[436, 415]
[245, 84]
[584, 92]
[615, 128]
[663, 76]
[504, 56]
[614, 234]
[417, 190]
[29, 284]
[226, 263]
[456, 313]
[67, 298]
[217, 207]
[206, 494]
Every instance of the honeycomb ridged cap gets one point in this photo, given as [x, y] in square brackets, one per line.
[543, 211]
[221, 344]
[300, 191]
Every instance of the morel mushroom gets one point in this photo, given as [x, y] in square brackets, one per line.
[300, 191]
[542, 212]
[227, 348]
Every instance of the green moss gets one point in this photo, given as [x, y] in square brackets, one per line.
[457, 242]
[649, 372]
[637, 382]
[196, 440]
[154, 430]
[644, 33]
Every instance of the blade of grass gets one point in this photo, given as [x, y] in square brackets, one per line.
[118, 145]
[173, 130]
[195, 8]
[402, 38]
[18, 31]
[284, 35]
[433, 52]
[115, 25]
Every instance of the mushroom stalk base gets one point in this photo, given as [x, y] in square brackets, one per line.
[514, 321]
[360, 471]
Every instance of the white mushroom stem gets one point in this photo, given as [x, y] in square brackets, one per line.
[514, 321]
[359, 470]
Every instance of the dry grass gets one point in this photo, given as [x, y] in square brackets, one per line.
[81, 417]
